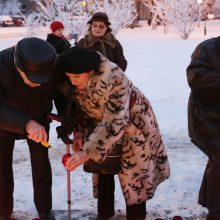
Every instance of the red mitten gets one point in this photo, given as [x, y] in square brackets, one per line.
[65, 158]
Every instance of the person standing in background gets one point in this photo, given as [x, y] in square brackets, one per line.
[60, 43]
[57, 38]
[100, 38]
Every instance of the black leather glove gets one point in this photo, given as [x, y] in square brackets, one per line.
[65, 129]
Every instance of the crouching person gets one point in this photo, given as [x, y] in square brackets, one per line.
[116, 111]
[27, 86]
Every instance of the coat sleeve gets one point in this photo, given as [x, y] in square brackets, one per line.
[119, 56]
[111, 128]
[62, 45]
[12, 120]
[200, 73]
[81, 43]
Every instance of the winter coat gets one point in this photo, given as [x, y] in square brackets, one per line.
[203, 76]
[18, 102]
[106, 100]
[108, 45]
[60, 43]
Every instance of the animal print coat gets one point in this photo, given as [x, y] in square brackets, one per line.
[144, 160]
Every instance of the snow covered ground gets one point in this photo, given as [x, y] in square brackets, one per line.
[156, 64]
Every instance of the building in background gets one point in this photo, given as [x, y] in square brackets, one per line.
[143, 11]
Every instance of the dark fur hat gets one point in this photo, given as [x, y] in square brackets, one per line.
[100, 16]
[78, 60]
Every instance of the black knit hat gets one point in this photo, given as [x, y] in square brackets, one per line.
[99, 16]
[36, 58]
[78, 60]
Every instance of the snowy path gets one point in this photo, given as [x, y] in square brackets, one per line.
[176, 196]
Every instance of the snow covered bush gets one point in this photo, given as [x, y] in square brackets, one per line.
[182, 14]
[69, 12]
[121, 13]
[75, 15]
[31, 23]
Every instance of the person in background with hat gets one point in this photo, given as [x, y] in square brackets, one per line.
[115, 110]
[60, 43]
[100, 38]
[27, 86]
[57, 38]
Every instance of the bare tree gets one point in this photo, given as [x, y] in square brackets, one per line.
[121, 13]
[69, 12]
[75, 15]
[182, 14]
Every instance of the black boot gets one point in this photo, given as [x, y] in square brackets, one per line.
[47, 216]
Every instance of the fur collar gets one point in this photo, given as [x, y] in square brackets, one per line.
[107, 39]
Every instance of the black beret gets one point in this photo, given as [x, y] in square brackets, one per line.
[78, 60]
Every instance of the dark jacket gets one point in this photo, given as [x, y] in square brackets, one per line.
[108, 45]
[203, 76]
[59, 43]
[19, 102]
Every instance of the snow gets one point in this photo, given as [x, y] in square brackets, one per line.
[156, 64]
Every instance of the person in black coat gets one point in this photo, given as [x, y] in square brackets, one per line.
[100, 38]
[60, 43]
[203, 74]
[56, 38]
[27, 86]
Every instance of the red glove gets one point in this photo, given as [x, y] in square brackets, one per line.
[65, 158]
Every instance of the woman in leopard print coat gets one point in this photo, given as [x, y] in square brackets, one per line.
[104, 92]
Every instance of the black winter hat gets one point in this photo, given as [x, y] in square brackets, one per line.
[36, 58]
[99, 16]
[78, 60]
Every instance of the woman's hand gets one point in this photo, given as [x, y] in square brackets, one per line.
[76, 160]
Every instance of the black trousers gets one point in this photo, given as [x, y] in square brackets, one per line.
[41, 175]
[106, 208]
[209, 194]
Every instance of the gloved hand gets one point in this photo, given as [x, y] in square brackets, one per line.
[76, 160]
[65, 158]
[64, 130]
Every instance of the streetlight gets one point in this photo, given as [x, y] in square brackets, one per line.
[83, 4]
[200, 2]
